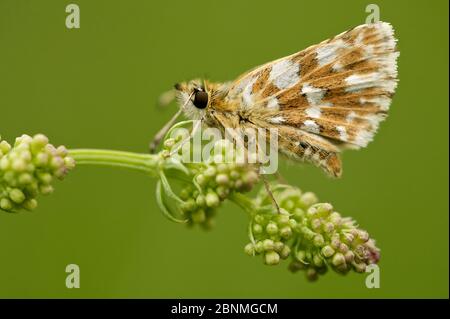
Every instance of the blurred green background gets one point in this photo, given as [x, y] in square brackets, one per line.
[97, 86]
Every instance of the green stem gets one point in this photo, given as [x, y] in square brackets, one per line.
[142, 162]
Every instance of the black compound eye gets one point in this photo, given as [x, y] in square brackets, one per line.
[200, 99]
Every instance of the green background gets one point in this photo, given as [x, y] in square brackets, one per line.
[97, 87]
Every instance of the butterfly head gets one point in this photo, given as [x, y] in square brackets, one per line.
[193, 97]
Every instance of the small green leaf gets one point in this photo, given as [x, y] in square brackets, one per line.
[165, 210]
[168, 190]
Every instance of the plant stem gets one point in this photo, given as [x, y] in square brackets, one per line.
[147, 163]
[142, 162]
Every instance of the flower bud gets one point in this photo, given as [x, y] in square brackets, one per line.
[268, 244]
[327, 251]
[28, 168]
[338, 259]
[212, 200]
[272, 258]
[272, 228]
[250, 249]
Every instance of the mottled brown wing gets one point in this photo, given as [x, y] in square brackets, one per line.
[339, 89]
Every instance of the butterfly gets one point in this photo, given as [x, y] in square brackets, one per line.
[322, 100]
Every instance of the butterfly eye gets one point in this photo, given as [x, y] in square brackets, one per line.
[200, 99]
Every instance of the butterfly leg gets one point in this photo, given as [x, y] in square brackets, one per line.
[269, 192]
[195, 128]
[162, 132]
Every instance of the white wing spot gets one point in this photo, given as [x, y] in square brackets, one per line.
[342, 133]
[313, 112]
[284, 74]
[382, 101]
[358, 82]
[363, 138]
[242, 84]
[247, 96]
[313, 95]
[273, 103]
[327, 53]
[337, 67]
[374, 120]
[277, 120]
[311, 126]
[350, 117]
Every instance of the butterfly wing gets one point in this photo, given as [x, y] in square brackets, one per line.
[337, 92]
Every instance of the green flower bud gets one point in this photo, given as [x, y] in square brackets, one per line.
[210, 172]
[327, 251]
[198, 216]
[272, 258]
[212, 200]
[349, 256]
[359, 267]
[299, 213]
[312, 274]
[289, 205]
[318, 240]
[328, 227]
[293, 223]
[222, 192]
[301, 256]
[286, 232]
[318, 261]
[308, 199]
[316, 224]
[30, 204]
[338, 259]
[189, 205]
[250, 249]
[308, 233]
[259, 248]
[257, 229]
[250, 178]
[4, 147]
[16, 195]
[222, 179]
[28, 168]
[285, 252]
[222, 168]
[234, 175]
[200, 201]
[278, 246]
[282, 219]
[259, 219]
[201, 179]
[268, 244]
[6, 204]
[272, 228]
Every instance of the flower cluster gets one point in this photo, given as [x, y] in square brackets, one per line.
[27, 169]
[313, 234]
[210, 182]
[297, 227]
